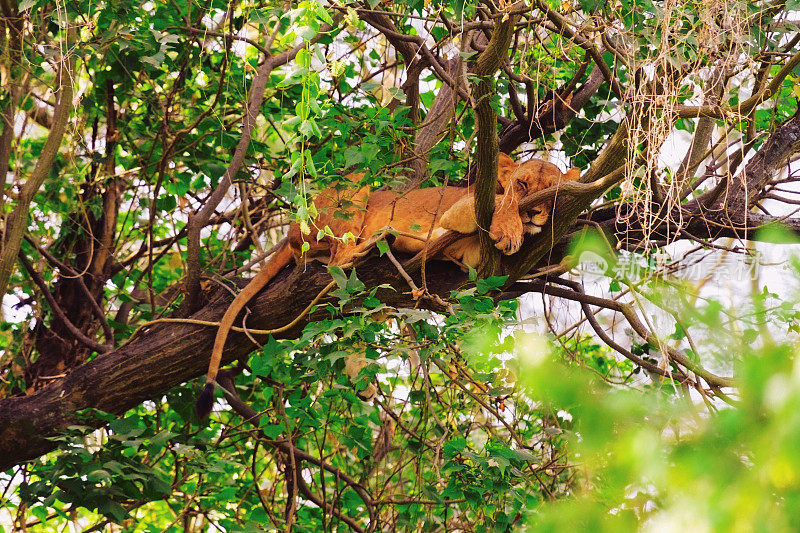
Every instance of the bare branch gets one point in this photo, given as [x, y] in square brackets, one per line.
[18, 219]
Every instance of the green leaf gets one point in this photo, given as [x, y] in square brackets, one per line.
[454, 446]
[354, 284]
[371, 302]
[490, 284]
[273, 431]
[338, 276]
[369, 151]
[303, 58]
[322, 13]
[273, 348]
[353, 156]
[156, 60]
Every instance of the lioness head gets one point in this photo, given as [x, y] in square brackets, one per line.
[523, 179]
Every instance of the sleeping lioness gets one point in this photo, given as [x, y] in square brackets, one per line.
[413, 217]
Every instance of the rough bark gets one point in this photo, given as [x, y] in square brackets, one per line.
[430, 133]
[486, 136]
[165, 355]
[13, 26]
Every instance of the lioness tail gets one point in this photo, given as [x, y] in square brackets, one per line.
[280, 258]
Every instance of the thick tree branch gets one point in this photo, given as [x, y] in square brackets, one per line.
[165, 355]
[15, 24]
[763, 168]
[702, 133]
[17, 221]
[724, 211]
[430, 131]
[487, 64]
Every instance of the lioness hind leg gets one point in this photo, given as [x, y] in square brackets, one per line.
[465, 253]
[461, 216]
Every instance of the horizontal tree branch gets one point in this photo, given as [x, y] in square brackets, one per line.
[165, 355]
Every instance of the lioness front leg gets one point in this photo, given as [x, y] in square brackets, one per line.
[506, 229]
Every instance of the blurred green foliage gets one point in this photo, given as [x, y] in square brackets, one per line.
[481, 424]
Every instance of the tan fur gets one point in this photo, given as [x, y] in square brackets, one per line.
[415, 216]
[276, 262]
[522, 179]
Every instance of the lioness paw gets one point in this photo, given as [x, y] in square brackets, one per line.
[507, 234]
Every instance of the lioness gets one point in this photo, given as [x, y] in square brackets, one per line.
[414, 217]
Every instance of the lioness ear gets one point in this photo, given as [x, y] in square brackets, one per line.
[572, 174]
[505, 160]
[505, 167]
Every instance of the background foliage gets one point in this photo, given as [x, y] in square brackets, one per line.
[152, 150]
